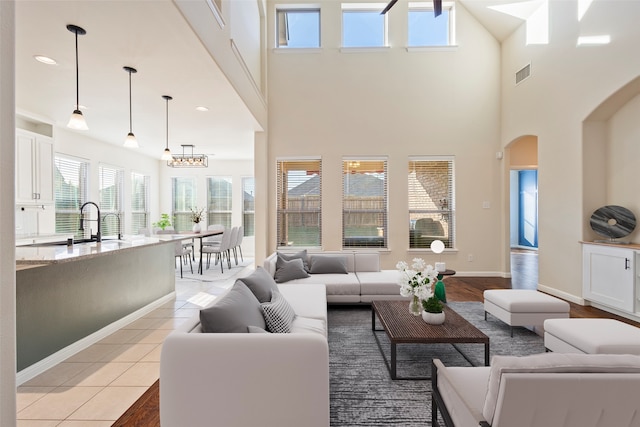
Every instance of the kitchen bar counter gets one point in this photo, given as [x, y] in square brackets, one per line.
[38, 255]
[70, 295]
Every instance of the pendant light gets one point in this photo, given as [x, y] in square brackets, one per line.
[77, 119]
[167, 153]
[130, 141]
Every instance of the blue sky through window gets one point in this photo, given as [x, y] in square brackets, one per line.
[304, 28]
[362, 28]
[426, 30]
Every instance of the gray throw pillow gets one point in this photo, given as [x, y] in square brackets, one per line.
[328, 265]
[233, 312]
[302, 255]
[261, 284]
[278, 314]
[289, 270]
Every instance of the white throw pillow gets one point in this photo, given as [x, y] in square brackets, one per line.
[278, 313]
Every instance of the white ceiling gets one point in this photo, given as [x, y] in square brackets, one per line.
[151, 36]
[154, 38]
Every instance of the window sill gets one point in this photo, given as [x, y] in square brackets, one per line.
[364, 49]
[297, 50]
[446, 250]
[448, 48]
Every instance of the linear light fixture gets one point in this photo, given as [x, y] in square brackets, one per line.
[188, 160]
[130, 141]
[77, 120]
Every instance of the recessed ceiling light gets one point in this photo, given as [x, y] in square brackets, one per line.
[45, 60]
[201, 108]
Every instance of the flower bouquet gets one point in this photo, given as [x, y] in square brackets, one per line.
[416, 282]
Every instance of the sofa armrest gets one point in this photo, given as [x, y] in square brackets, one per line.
[244, 379]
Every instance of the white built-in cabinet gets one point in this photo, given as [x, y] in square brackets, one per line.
[34, 168]
[610, 276]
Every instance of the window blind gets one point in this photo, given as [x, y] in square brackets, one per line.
[183, 196]
[111, 190]
[364, 203]
[431, 201]
[70, 193]
[139, 202]
[299, 198]
[248, 205]
[219, 200]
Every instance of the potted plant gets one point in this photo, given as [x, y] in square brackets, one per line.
[196, 217]
[416, 282]
[432, 313]
[164, 222]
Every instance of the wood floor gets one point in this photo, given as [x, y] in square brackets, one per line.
[524, 272]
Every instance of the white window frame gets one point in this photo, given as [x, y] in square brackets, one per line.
[181, 219]
[108, 222]
[382, 233]
[146, 181]
[428, 7]
[283, 212]
[83, 195]
[280, 33]
[213, 212]
[364, 7]
[442, 210]
[248, 213]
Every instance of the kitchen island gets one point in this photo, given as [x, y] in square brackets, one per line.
[68, 297]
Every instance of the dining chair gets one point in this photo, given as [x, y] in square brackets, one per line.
[238, 245]
[184, 254]
[232, 243]
[221, 250]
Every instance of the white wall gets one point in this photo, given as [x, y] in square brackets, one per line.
[567, 83]
[397, 104]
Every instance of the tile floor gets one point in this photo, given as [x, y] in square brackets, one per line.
[94, 387]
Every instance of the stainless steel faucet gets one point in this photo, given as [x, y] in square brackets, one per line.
[118, 218]
[97, 236]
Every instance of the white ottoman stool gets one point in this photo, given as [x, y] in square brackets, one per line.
[520, 307]
[608, 336]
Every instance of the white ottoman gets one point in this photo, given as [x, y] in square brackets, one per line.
[606, 336]
[520, 307]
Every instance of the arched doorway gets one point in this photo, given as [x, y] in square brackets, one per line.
[523, 211]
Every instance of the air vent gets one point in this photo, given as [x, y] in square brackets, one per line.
[523, 73]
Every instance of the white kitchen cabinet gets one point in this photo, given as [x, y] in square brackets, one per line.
[34, 168]
[608, 276]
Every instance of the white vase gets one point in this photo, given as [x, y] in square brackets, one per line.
[196, 227]
[433, 318]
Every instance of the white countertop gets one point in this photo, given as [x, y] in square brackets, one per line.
[32, 256]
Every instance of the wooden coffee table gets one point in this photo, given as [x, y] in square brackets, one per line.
[402, 327]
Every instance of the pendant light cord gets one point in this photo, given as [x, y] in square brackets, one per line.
[167, 99]
[77, 76]
[130, 121]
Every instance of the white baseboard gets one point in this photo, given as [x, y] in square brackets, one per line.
[61, 355]
[560, 294]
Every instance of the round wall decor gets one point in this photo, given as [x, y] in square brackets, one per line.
[613, 221]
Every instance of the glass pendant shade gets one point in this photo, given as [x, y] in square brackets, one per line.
[166, 155]
[131, 141]
[77, 121]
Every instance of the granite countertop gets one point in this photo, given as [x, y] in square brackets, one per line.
[36, 256]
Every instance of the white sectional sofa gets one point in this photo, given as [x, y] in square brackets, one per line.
[549, 389]
[361, 281]
[243, 379]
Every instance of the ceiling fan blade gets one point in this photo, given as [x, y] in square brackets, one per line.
[389, 6]
[437, 7]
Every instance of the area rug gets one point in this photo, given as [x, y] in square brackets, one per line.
[361, 390]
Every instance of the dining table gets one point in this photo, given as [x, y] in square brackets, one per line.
[199, 235]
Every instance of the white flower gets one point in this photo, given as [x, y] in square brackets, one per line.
[401, 265]
[406, 290]
[418, 264]
[424, 292]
